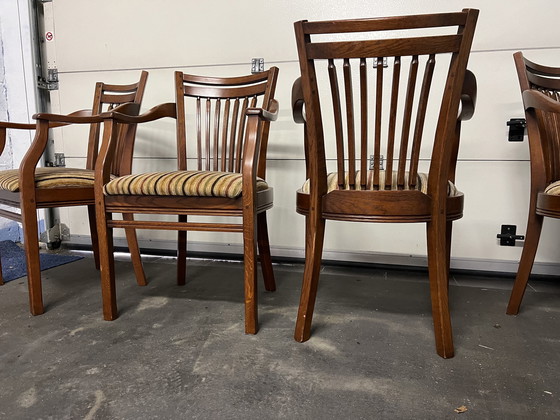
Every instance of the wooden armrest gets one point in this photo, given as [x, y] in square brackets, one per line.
[538, 100]
[270, 115]
[17, 126]
[84, 116]
[298, 105]
[468, 97]
[157, 112]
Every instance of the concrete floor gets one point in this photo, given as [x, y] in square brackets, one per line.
[180, 352]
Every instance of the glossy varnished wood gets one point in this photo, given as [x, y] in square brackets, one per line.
[540, 89]
[231, 118]
[380, 88]
[126, 98]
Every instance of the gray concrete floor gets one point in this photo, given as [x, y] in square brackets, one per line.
[180, 352]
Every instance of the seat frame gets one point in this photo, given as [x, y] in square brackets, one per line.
[405, 204]
[251, 206]
[126, 98]
[540, 89]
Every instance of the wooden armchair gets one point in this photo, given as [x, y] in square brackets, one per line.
[31, 187]
[231, 137]
[540, 88]
[375, 120]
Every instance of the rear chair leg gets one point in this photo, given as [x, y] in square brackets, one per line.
[182, 254]
[134, 249]
[314, 235]
[264, 253]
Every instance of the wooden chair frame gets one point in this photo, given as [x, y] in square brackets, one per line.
[28, 199]
[540, 89]
[358, 197]
[248, 157]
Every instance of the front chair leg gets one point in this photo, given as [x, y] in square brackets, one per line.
[439, 285]
[31, 239]
[107, 266]
[250, 272]
[264, 253]
[532, 236]
[314, 235]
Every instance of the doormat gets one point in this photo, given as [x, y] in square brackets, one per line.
[13, 260]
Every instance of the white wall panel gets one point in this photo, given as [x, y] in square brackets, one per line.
[219, 38]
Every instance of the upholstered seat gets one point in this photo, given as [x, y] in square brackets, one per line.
[181, 183]
[421, 183]
[49, 178]
[553, 189]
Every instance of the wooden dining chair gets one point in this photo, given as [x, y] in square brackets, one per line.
[540, 89]
[231, 118]
[32, 187]
[363, 89]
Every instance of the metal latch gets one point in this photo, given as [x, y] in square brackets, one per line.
[372, 160]
[257, 65]
[516, 129]
[508, 235]
[59, 160]
[51, 83]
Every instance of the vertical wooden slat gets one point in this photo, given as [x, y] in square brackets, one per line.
[180, 123]
[348, 92]
[420, 118]
[363, 124]
[198, 135]
[241, 135]
[378, 112]
[232, 135]
[225, 136]
[207, 133]
[392, 123]
[335, 94]
[412, 75]
[217, 124]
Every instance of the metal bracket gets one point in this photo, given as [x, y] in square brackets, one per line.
[52, 80]
[371, 163]
[44, 1]
[516, 129]
[508, 235]
[59, 161]
[257, 65]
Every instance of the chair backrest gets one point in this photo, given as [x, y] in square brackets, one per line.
[369, 84]
[106, 98]
[211, 111]
[543, 127]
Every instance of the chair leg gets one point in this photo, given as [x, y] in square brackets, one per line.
[532, 236]
[264, 253]
[93, 234]
[1, 276]
[250, 272]
[31, 239]
[107, 266]
[438, 248]
[134, 250]
[314, 235]
[182, 254]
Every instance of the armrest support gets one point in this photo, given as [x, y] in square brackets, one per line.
[271, 115]
[538, 100]
[298, 105]
[468, 97]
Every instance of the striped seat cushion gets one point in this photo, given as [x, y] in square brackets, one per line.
[421, 183]
[553, 189]
[49, 178]
[181, 183]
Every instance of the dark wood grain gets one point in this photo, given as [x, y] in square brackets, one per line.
[231, 127]
[362, 50]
